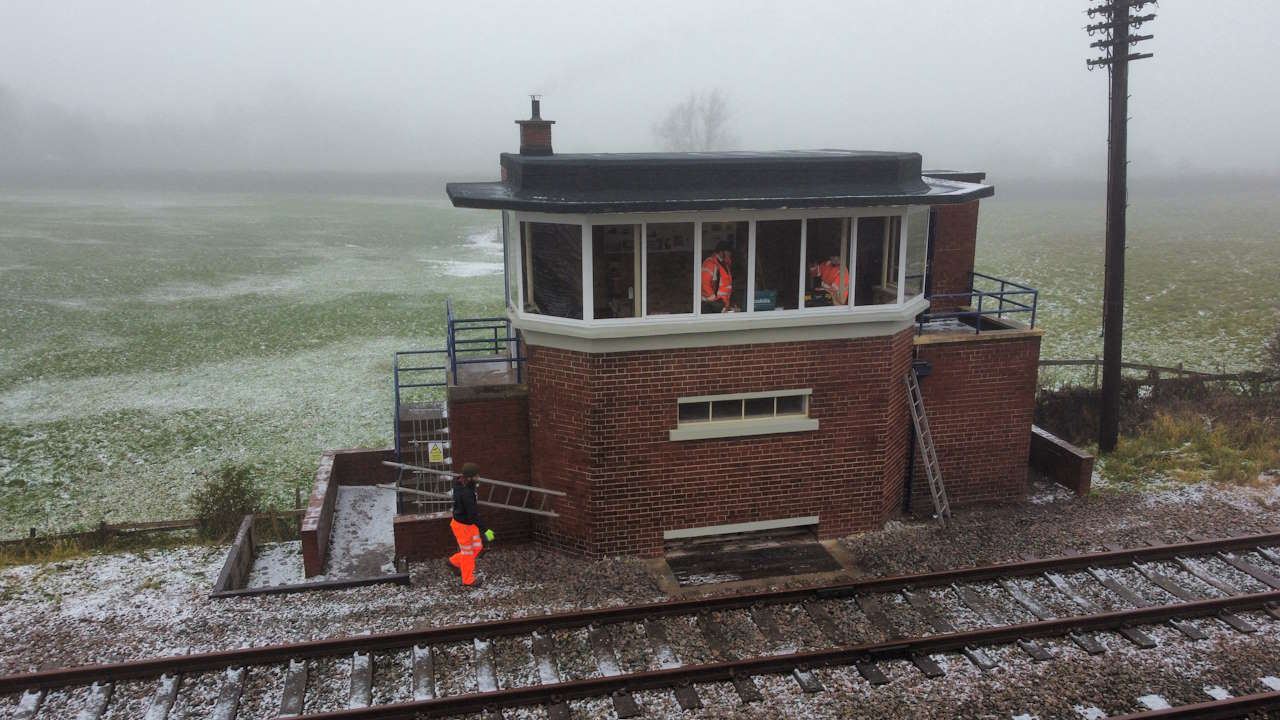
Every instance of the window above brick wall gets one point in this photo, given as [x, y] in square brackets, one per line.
[743, 414]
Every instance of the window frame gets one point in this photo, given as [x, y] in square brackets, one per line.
[743, 426]
[752, 217]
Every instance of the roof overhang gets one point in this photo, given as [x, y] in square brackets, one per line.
[658, 182]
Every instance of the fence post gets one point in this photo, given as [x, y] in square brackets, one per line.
[1095, 371]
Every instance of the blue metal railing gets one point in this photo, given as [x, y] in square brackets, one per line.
[467, 341]
[419, 356]
[1010, 298]
[489, 338]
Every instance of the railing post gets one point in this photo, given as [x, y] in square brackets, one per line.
[980, 315]
[519, 361]
[395, 375]
[1035, 302]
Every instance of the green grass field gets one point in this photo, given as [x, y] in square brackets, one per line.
[150, 336]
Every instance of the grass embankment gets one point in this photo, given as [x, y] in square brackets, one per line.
[1177, 432]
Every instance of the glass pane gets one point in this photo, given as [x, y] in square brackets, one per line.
[695, 412]
[553, 269]
[726, 410]
[616, 264]
[724, 266]
[917, 251]
[777, 265]
[759, 407]
[791, 404]
[872, 262]
[827, 259]
[669, 256]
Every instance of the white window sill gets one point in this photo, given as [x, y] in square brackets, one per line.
[743, 428]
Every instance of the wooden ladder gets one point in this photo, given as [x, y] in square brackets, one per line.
[931, 468]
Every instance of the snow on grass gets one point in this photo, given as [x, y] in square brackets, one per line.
[460, 269]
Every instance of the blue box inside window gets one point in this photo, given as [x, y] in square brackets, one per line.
[766, 300]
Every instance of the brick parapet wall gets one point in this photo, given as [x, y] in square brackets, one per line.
[1061, 462]
[317, 521]
[599, 431]
[980, 400]
[955, 241]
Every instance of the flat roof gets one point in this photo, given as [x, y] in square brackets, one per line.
[656, 182]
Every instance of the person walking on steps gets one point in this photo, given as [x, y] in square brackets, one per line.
[466, 524]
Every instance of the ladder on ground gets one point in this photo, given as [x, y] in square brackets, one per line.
[931, 468]
[489, 492]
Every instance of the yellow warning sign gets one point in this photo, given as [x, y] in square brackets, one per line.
[435, 452]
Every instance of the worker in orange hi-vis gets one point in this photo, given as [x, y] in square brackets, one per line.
[834, 278]
[466, 524]
[717, 279]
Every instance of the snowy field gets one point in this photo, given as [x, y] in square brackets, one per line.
[149, 336]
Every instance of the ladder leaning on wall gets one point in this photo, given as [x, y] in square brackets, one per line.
[931, 468]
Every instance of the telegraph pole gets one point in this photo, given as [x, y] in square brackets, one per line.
[1116, 20]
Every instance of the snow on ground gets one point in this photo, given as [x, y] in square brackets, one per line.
[276, 564]
[362, 543]
[466, 269]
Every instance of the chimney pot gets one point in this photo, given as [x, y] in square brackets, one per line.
[535, 133]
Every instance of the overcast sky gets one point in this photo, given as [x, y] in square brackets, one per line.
[417, 86]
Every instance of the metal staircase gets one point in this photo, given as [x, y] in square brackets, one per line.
[934, 472]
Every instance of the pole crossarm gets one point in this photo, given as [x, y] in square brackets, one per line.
[1108, 8]
[1096, 62]
[1109, 42]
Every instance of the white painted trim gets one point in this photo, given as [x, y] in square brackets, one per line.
[804, 266]
[644, 270]
[688, 324]
[743, 428]
[853, 265]
[745, 396]
[902, 258]
[588, 273]
[697, 269]
[751, 264]
[740, 527]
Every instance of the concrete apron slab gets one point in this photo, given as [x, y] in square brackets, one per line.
[361, 544]
[729, 564]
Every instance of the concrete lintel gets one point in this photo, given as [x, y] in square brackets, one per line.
[740, 527]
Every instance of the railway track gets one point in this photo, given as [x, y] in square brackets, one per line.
[549, 660]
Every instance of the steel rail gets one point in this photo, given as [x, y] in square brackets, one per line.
[1211, 710]
[776, 664]
[269, 654]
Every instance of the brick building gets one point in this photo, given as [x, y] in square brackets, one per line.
[662, 415]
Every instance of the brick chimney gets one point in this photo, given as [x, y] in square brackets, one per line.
[535, 133]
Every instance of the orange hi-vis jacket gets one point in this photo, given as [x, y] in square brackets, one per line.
[835, 280]
[717, 281]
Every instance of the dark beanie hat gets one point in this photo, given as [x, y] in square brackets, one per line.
[470, 469]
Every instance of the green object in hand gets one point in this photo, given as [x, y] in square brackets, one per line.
[488, 535]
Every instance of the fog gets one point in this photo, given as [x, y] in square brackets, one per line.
[404, 86]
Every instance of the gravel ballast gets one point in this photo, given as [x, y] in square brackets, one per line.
[113, 607]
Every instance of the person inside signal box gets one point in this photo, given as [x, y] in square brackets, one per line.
[466, 524]
[717, 279]
[834, 279]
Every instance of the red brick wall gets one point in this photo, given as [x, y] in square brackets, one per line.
[980, 398]
[318, 519]
[599, 431]
[954, 242]
[493, 432]
[1061, 462]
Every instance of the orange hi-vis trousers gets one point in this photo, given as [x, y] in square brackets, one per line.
[469, 546]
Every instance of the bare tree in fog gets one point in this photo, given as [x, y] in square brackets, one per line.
[699, 122]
